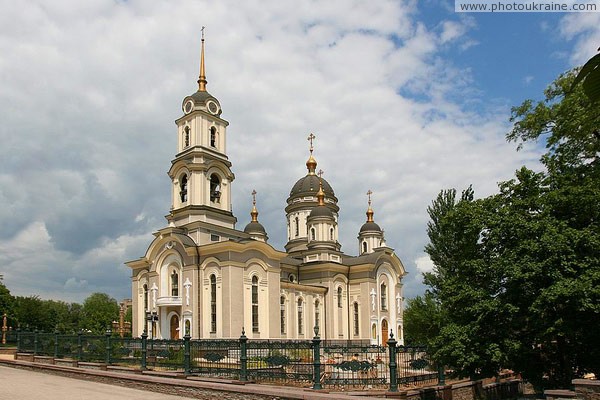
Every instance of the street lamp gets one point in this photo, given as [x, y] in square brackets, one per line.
[152, 317]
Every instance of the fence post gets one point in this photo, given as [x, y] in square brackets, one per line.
[393, 365]
[441, 375]
[19, 346]
[317, 360]
[108, 333]
[186, 354]
[56, 343]
[35, 342]
[243, 357]
[144, 349]
[79, 345]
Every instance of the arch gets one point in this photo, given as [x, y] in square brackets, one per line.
[313, 234]
[331, 236]
[215, 188]
[373, 331]
[254, 303]
[364, 246]
[300, 313]
[356, 319]
[174, 283]
[186, 136]
[183, 188]
[340, 302]
[282, 314]
[213, 136]
[384, 332]
[174, 326]
[383, 296]
[213, 303]
[297, 226]
[188, 327]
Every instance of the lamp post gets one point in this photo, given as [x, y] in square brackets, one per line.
[4, 329]
[152, 317]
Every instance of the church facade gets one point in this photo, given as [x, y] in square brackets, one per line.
[203, 277]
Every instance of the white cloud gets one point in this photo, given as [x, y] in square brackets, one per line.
[424, 264]
[584, 28]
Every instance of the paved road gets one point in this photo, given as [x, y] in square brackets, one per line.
[16, 384]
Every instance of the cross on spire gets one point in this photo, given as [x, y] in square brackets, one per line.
[253, 197]
[320, 173]
[369, 193]
[310, 138]
[202, 30]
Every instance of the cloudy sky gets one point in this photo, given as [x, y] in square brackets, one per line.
[405, 97]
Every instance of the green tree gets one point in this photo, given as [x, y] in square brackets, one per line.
[518, 273]
[423, 319]
[98, 312]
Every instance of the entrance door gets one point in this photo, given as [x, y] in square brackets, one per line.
[175, 327]
[384, 332]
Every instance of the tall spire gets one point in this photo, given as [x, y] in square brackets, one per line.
[254, 212]
[321, 194]
[311, 163]
[202, 78]
[370, 210]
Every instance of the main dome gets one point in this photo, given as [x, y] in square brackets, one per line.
[309, 184]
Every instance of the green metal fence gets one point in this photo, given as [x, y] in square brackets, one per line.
[306, 363]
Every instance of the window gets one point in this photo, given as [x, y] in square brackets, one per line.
[312, 234]
[356, 319]
[255, 304]
[214, 238]
[300, 317]
[282, 314]
[383, 297]
[213, 304]
[374, 331]
[186, 140]
[297, 226]
[317, 312]
[339, 297]
[364, 247]
[213, 136]
[145, 297]
[215, 189]
[188, 327]
[331, 234]
[183, 186]
[174, 284]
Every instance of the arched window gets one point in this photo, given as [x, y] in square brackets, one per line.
[183, 188]
[215, 188]
[383, 297]
[374, 331]
[331, 234]
[364, 247]
[186, 136]
[300, 317]
[213, 304]
[317, 312]
[188, 327]
[174, 284]
[254, 303]
[282, 314]
[312, 234]
[356, 324]
[339, 297]
[213, 137]
[297, 220]
[145, 297]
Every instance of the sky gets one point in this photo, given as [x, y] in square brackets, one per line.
[405, 98]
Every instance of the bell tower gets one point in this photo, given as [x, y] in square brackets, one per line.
[201, 173]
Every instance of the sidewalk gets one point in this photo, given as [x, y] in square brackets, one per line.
[193, 387]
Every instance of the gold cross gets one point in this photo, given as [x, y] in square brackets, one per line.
[310, 138]
[202, 30]
[253, 196]
[369, 193]
[320, 173]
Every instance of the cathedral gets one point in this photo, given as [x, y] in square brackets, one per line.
[203, 277]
